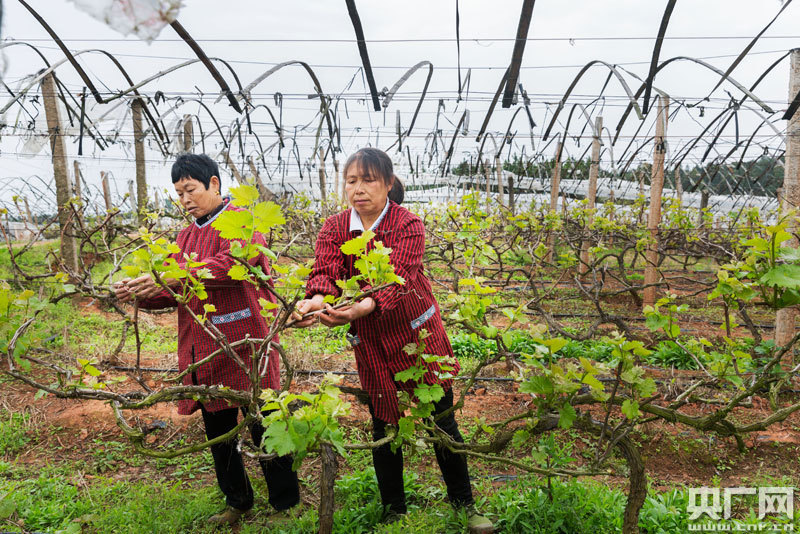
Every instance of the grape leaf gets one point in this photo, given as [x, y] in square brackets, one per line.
[786, 275]
[234, 225]
[630, 408]
[277, 439]
[244, 195]
[566, 415]
[268, 215]
[238, 272]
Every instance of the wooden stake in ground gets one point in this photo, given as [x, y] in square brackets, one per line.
[488, 186]
[511, 193]
[78, 180]
[188, 133]
[554, 186]
[69, 251]
[591, 194]
[132, 197]
[786, 319]
[612, 216]
[138, 144]
[640, 177]
[678, 186]
[703, 205]
[28, 215]
[236, 174]
[336, 179]
[500, 187]
[263, 192]
[76, 167]
[323, 190]
[654, 217]
[106, 190]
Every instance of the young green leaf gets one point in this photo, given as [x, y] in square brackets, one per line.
[630, 408]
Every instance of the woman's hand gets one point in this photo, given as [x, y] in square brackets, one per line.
[347, 314]
[314, 304]
[144, 287]
[121, 290]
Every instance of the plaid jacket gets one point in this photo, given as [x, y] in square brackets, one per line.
[237, 314]
[401, 311]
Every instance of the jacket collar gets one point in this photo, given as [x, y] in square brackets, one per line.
[205, 219]
[357, 225]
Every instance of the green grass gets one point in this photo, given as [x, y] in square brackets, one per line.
[317, 340]
[188, 467]
[94, 335]
[470, 349]
[62, 500]
[33, 260]
[55, 503]
[13, 428]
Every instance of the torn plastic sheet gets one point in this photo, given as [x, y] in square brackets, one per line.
[34, 133]
[34, 138]
[144, 18]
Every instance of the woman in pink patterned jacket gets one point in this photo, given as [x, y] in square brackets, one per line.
[197, 183]
[386, 321]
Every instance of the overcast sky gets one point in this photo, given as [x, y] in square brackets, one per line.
[565, 35]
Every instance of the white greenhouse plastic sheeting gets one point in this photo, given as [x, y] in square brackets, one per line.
[144, 18]
[441, 189]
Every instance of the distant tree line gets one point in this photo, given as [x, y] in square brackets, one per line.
[760, 176]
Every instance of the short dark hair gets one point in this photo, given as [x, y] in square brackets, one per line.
[197, 166]
[378, 164]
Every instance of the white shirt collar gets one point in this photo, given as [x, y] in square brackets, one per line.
[356, 224]
[211, 219]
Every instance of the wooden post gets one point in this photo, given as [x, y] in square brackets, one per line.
[678, 185]
[263, 192]
[106, 191]
[69, 252]
[76, 167]
[28, 212]
[703, 205]
[640, 177]
[500, 187]
[488, 186]
[612, 216]
[786, 318]
[591, 194]
[188, 133]
[236, 174]
[132, 198]
[656, 189]
[138, 144]
[323, 189]
[78, 179]
[554, 186]
[337, 189]
[511, 193]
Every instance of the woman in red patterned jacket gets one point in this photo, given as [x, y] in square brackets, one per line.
[197, 183]
[383, 323]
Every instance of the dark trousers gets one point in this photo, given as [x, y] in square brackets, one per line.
[284, 491]
[389, 465]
